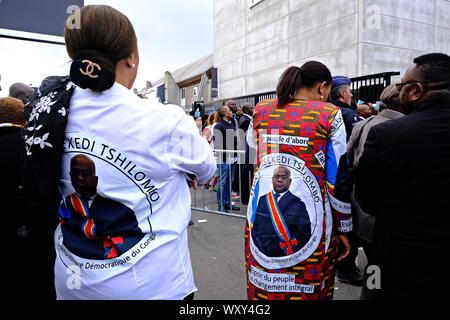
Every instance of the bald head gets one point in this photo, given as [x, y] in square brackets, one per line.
[82, 175]
[21, 91]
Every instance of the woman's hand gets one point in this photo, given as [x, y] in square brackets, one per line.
[343, 244]
[192, 181]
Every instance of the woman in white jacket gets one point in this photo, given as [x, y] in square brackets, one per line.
[124, 164]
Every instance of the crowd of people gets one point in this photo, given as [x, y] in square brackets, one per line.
[95, 180]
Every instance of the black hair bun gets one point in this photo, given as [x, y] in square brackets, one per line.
[93, 70]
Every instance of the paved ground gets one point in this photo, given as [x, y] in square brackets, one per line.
[216, 244]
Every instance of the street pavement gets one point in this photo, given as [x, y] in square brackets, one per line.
[216, 244]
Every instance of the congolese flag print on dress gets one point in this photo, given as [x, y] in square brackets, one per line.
[296, 203]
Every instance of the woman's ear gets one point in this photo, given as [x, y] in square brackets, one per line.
[130, 62]
[321, 89]
[133, 59]
[324, 90]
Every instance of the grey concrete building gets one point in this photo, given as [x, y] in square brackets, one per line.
[256, 40]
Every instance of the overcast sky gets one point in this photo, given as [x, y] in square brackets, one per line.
[171, 34]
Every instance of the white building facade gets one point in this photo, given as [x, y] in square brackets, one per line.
[256, 40]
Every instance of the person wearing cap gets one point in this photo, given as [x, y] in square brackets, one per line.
[21, 91]
[364, 223]
[341, 97]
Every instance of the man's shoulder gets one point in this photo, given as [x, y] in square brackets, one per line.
[390, 134]
[368, 123]
[391, 125]
[263, 197]
[220, 125]
[223, 125]
[244, 118]
[293, 197]
[102, 201]
[100, 198]
[350, 114]
[363, 123]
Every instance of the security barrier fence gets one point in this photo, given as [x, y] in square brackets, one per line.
[366, 88]
[369, 88]
[208, 195]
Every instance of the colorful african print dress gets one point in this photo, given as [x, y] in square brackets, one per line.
[290, 234]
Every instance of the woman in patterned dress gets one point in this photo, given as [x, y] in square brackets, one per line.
[303, 134]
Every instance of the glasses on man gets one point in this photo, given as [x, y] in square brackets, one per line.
[400, 85]
[84, 173]
[280, 177]
[426, 85]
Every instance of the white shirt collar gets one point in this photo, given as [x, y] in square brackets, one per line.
[90, 199]
[281, 194]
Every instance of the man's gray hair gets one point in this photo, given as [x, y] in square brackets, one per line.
[336, 92]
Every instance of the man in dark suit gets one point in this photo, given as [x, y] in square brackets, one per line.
[294, 214]
[114, 221]
[246, 171]
[225, 139]
[403, 179]
[244, 121]
[21, 230]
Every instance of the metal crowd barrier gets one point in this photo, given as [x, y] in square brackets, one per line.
[205, 198]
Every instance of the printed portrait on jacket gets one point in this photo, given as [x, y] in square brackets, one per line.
[94, 226]
[285, 213]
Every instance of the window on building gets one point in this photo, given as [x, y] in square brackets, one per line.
[195, 91]
[183, 93]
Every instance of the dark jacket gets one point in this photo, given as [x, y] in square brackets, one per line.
[297, 220]
[12, 146]
[111, 218]
[350, 116]
[362, 222]
[23, 242]
[403, 179]
[244, 122]
[225, 139]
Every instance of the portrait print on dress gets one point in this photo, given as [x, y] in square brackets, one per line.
[285, 211]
